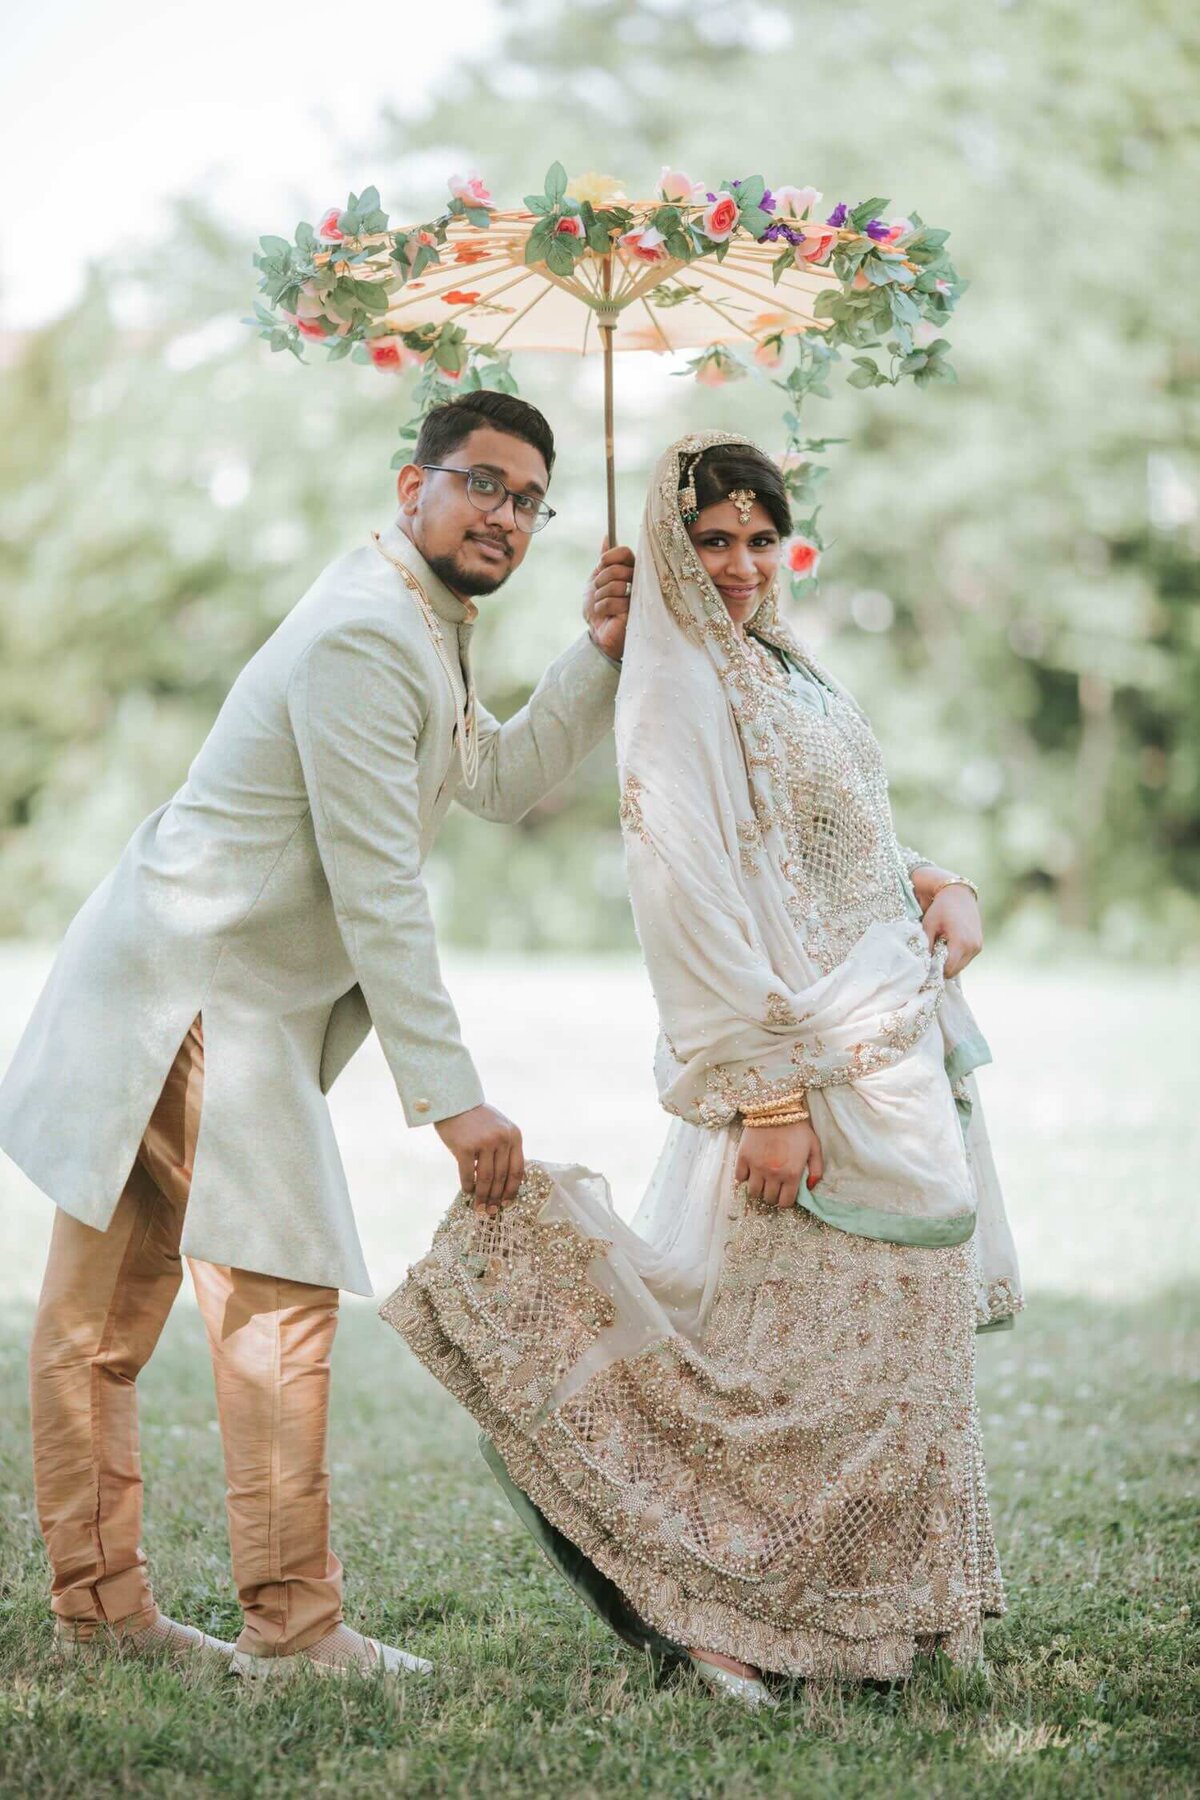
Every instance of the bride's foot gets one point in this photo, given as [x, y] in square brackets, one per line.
[725, 1675]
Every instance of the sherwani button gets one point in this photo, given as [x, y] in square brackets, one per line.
[420, 1106]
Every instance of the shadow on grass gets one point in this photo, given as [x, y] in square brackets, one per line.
[1089, 1414]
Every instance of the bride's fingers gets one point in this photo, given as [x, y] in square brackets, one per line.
[754, 1184]
[770, 1191]
[816, 1165]
[787, 1194]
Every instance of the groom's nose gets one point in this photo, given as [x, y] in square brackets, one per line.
[505, 515]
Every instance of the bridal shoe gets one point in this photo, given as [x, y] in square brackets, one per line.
[162, 1637]
[340, 1652]
[748, 1690]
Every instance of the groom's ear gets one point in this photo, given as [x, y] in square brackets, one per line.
[409, 483]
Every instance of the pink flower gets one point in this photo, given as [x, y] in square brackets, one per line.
[391, 353]
[720, 217]
[769, 354]
[676, 188]
[716, 367]
[310, 308]
[647, 244]
[794, 202]
[803, 556]
[570, 225]
[469, 189]
[943, 287]
[308, 328]
[452, 374]
[860, 282]
[817, 247]
[327, 230]
[898, 228]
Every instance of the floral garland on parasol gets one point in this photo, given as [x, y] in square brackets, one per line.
[444, 298]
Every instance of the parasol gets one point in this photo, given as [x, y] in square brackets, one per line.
[582, 269]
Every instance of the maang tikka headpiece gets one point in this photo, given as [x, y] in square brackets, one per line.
[743, 499]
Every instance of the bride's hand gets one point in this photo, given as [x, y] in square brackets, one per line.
[953, 914]
[772, 1160]
[606, 600]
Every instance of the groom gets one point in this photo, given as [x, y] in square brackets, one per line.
[168, 1092]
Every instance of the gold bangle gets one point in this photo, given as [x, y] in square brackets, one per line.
[785, 1103]
[780, 1114]
[951, 881]
[796, 1118]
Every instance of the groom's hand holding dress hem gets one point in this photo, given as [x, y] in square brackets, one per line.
[168, 1092]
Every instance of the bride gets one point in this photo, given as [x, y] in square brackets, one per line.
[745, 1426]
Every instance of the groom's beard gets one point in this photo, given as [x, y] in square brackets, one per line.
[469, 583]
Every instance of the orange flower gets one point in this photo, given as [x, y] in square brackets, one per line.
[460, 297]
[471, 253]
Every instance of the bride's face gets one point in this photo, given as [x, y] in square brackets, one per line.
[741, 559]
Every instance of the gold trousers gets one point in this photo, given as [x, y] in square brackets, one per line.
[104, 1302]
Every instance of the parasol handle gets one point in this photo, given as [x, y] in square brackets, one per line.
[606, 332]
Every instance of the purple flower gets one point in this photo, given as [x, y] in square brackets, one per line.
[777, 229]
[767, 203]
[837, 217]
[877, 230]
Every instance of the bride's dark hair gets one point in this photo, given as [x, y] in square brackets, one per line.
[724, 467]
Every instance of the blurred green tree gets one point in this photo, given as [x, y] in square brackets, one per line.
[1011, 586]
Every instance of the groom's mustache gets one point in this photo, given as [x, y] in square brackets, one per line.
[491, 537]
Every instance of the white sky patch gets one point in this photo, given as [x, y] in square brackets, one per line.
[108, 111]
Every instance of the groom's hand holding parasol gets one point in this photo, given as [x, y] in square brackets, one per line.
[606, 599]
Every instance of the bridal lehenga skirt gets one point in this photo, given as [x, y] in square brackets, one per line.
[773, 1453]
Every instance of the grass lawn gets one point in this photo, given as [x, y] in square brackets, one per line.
[1090, 1418]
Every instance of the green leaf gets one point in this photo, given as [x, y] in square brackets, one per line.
[368, 200]
[556, 183]
[559, 259]
[537, 203]
[904, 307]
[750, 193]
[276, 246]
[479, 216]
[867, 210]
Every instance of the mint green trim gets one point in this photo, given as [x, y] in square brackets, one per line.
[886, 1227]
[600, 1595]
[1007, 1323]
[966, 1057]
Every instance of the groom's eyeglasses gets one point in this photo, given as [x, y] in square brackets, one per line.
[487, 493]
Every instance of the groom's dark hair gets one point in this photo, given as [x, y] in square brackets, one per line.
[445, 427]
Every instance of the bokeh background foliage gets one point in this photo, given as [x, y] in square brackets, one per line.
[1012, 580]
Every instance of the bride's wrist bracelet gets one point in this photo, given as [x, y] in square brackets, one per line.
[951, 881]
[789, 1109]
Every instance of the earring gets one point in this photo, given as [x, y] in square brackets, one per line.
[688, 509]
[743, 499]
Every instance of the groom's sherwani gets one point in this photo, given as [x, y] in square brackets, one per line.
[279, 895]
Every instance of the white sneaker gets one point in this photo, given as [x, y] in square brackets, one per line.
[162, 1637]
[340, 1652]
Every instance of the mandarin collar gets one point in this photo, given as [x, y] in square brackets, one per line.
[446, 605]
